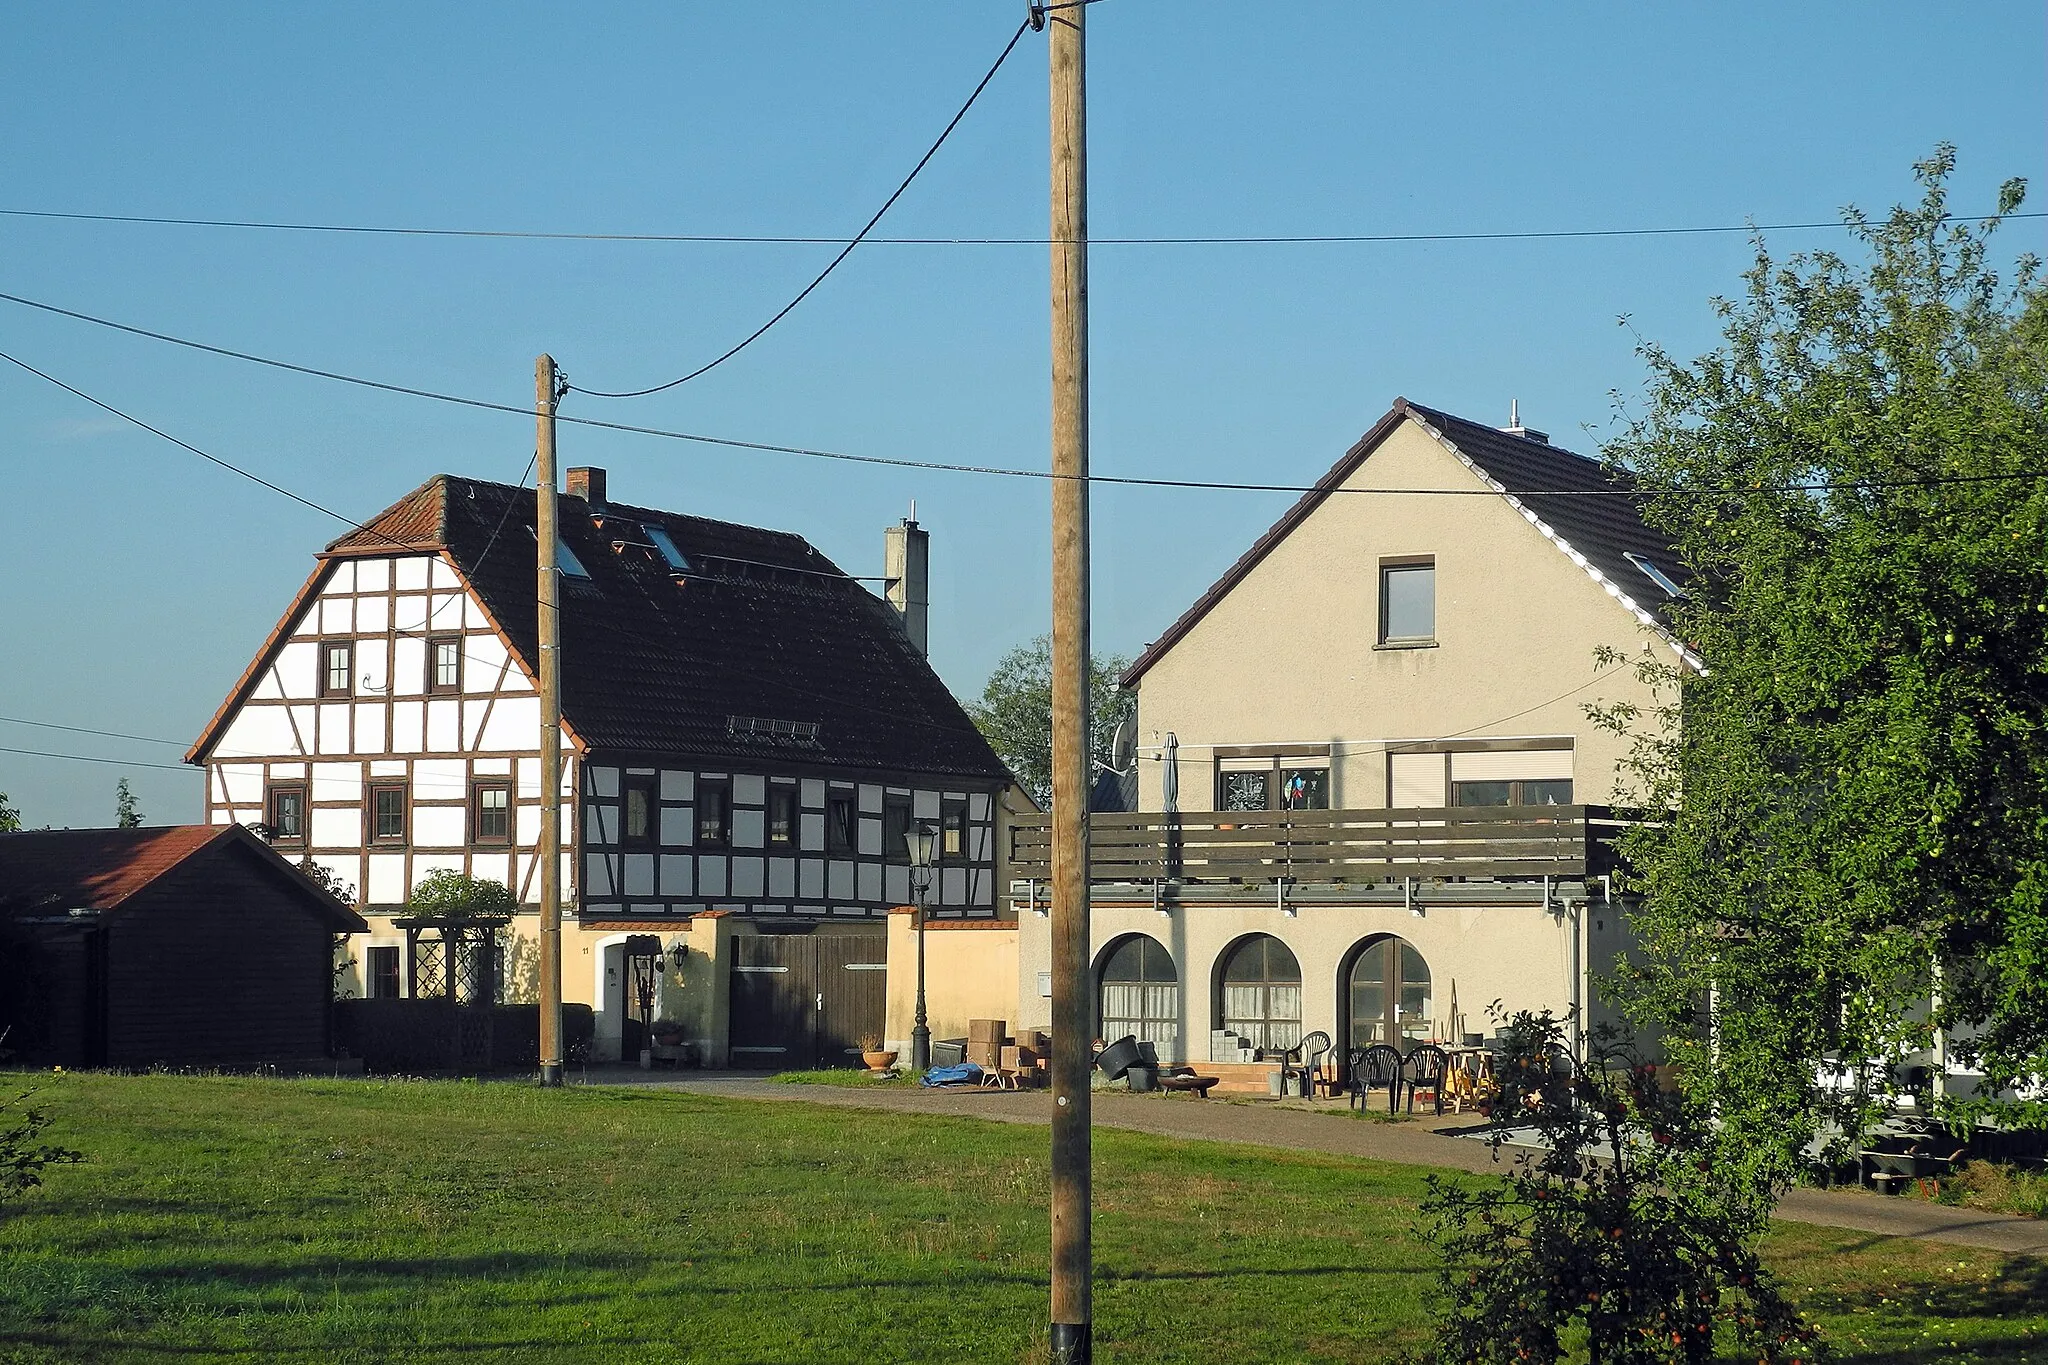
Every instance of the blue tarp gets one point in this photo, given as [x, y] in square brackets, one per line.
[967, 1073]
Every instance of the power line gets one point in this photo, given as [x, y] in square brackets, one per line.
[232, 468]
[844, 252]
[82, 730]
[900, 462]
[772, 239]
[116, 762]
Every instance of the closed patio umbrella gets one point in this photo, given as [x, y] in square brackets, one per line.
[1169, 801]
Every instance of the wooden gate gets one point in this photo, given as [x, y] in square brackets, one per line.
[803, 1000]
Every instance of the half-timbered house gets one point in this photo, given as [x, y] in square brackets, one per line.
[748, 734]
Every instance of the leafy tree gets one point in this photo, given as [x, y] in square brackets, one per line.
[126, 814]
[23, 1153]
[1620, 1231]
[1015, 712]
[10, 818]
[448, 894]
[1858, 480]
[328, 880]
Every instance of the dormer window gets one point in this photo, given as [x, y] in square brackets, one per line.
[337, 668]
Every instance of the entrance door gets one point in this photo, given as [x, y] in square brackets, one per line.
[803, 1000]
[1390, 1000]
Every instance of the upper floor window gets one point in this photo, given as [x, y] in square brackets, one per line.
[782, 817]
[1276, 784]
[840, 827]
[337, 665]
[389, 805]
[1408, 602]
[444, 664]
[1544, 792]
[637, 823]
[953, 831]
[490, 813]
[284, 810]
[1247, 790]
[714, 814]
[896, 829]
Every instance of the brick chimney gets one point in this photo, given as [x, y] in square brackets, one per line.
[906, 561]
[587, 484]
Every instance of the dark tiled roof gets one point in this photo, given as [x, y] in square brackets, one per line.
[1605, 529]
[103, 869]
[1599, 531]
[760, 628]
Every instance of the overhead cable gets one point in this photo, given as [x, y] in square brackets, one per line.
[844, 252]
[87, 758]
[774, 239]
[231, 467]
[938, 466]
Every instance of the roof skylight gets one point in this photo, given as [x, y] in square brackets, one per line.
[565, 558]
[666, 544]
[1654, 574]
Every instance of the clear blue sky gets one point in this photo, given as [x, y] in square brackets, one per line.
[140, 580]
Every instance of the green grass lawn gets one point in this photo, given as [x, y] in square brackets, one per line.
[224, 1218]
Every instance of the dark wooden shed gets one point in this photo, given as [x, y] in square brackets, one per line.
[187, 945]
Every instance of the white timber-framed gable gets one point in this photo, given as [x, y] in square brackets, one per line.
[390, 772]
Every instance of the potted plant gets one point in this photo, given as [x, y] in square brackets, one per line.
[873, 1056]
[668, 1032]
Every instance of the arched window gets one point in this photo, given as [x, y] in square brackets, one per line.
[1262, 993]
[1389, 995]
[1141, 995]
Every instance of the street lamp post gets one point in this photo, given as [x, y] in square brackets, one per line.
[923, 841]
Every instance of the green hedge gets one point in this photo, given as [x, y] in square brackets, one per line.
[425, 1037]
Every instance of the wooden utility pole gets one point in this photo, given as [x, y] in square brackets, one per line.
[1073, 1026]
[546, 533]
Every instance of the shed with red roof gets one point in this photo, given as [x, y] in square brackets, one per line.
[184, 946]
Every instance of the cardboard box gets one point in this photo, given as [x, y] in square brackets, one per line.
[985, 1054]
[1019, 1059]
[987, 1030]
[1038, 1040]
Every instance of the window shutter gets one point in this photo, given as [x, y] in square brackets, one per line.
[1523, 765]
[1415, 780]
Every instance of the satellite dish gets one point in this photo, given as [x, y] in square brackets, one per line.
[1123, 748]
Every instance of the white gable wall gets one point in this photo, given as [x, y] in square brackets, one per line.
[1288, 656]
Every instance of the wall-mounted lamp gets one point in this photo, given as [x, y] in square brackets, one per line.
[679, 954]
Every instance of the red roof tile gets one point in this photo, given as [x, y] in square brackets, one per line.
[100, 869]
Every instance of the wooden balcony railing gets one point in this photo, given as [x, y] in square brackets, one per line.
[1336, 846]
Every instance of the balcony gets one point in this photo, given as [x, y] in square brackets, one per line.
[1334, 848]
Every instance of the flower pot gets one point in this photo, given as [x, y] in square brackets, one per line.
[878, 1061]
